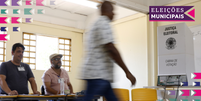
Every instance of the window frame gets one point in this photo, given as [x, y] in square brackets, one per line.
[63, 60]
[4, 48]
[29, 58]
[4, 51]
[70, 50]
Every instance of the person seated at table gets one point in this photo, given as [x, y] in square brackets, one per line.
[14, 75]
[51, 78]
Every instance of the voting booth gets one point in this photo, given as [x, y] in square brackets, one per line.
[175, 54]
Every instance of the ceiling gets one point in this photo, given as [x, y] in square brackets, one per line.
[74, 15]
[142, 5]
[66, 6]
[137, 5]
[73, 8]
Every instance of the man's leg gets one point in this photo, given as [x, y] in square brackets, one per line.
[109, 94]
[96, 87]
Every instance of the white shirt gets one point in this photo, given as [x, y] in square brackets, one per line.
[97, 62]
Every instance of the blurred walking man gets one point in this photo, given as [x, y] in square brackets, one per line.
[101, 53]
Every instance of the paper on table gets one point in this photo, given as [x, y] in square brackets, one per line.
[29, 94]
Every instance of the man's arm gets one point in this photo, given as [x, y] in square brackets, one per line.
[4, 86]
[70, 87]
[33, 85]
[114, 54]
[49, 89]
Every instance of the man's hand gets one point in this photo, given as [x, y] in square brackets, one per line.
[131, 78]
[14, 92]
[36, 92]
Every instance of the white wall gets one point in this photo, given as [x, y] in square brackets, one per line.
[131, 40]
[121, 12]
[90, 19]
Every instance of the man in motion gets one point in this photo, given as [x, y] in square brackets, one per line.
[97, 69]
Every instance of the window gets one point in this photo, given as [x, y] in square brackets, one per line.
[65, 49]
[45, 47]
[42, 48]
[2, 49]
[29, 41]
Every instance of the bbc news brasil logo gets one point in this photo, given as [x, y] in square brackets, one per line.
[171, 13]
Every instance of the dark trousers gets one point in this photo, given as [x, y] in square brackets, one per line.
[63, 100]
[99, 87]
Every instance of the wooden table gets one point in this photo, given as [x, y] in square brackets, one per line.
[8, 97]
[42, 97]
